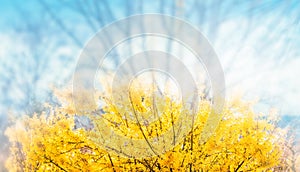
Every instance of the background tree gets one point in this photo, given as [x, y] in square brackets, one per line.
[39, 36]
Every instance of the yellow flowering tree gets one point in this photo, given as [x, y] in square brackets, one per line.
[61, 140]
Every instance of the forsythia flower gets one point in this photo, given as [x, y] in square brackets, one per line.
[243, 141]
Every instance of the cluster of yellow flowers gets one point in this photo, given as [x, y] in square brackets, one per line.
[243, 141]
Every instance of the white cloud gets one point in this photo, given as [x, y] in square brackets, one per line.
[264, 64]
[9, 44]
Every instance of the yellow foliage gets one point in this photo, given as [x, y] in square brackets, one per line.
[243, 141]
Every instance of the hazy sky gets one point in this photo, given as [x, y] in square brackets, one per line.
[257, 43]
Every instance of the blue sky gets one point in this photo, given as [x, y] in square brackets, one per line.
[257, 43]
